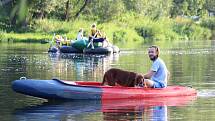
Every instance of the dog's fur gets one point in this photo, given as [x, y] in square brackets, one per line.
[123, 78]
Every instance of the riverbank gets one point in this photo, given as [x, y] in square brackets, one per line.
[127, 30]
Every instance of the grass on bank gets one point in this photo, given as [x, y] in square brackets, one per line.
[127, 31]
[25, 37]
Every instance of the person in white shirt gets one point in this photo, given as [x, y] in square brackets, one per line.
[80, 34]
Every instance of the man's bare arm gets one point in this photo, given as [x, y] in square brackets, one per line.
[149, 74]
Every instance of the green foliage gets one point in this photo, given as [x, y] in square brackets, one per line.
[2, 37]
[51, 26]
[208, 23]
[157, 30]
[200, 33]
[183, 27]
[123, 32]
[188, 8]
[125, 22]
[209, 5]
[119, 36]
[70, 29]
[150, 8]
[190, 30]
[106, 10]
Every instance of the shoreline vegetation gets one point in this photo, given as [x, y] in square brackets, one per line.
[122, 26]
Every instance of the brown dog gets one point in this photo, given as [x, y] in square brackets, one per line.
[121, 77]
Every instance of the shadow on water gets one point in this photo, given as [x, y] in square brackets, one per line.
[123, 109]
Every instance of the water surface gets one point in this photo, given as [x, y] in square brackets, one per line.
[190, 63]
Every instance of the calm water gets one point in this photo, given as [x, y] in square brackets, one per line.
[190, 63]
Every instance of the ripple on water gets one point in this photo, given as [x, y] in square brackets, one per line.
[195, 51]
[206, 93]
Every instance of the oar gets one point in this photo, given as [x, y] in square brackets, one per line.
[91, 41]
[52, 41]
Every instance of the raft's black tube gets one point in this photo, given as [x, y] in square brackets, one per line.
[99, 50]
[53, 49]
[69, 49]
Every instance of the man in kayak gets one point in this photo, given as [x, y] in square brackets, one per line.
[158, 75]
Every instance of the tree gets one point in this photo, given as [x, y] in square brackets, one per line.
[86, 2]
[19, 11]
[210, 5]
[153, 9]
[188, 8]
[105, 10]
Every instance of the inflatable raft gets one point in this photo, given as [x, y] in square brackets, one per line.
[69, 90]
[80, 46]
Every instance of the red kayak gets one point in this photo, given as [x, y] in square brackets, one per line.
[70, 90]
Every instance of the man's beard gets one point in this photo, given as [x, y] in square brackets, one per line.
[154, 58]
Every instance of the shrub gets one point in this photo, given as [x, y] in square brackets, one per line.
[208, 23]
[129, 30]
[2, 36]
[119, 37]
[190, 30]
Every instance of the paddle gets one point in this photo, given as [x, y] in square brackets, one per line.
[91, 41]
[52, 41]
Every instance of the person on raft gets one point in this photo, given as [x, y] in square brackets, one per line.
[96, 36]
[80, 35]
[158, 75]
[65, 41]
[61, 41]
[58, 40]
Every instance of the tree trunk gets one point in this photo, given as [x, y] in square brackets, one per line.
[13, 19]
[67, 13]
[86, 2]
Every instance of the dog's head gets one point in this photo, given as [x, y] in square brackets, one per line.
[139, 79]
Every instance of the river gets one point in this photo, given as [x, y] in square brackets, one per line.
[190, 63]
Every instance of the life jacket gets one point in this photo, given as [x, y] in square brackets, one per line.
[64, 41]
[95, 31]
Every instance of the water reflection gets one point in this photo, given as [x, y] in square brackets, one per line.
[142, 109]
[83, 67]
[153, 113]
